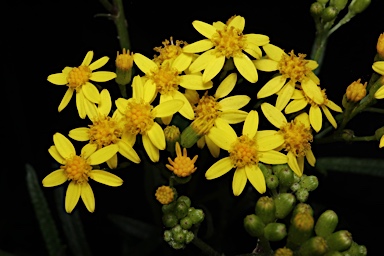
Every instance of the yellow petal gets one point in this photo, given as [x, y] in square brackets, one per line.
[284, 96]
[152, 151]
[192, 82]
[251, 124]
[381, 144]
[58, 79]
[88, 150]
[312, 64]
[295, 106]
[256, 178]
[199, 46]
[203, 28]
[72, 196]
[91, 110]
[150, 91]
[103, 154]
[226, 86]
[234, 102]
[253, 50]
[102, 76]
[273, 115]
[219, 168]
[313, 77]
[80, 98]
[186, 110]
[137, 87]
[212, 147]
[143, 63]
[330, 104]
[237, 22]
[257, 39]
[182, 62]
[79, 134]
[202, 61]
[55, 178]
[312, 91]
[156, 135]
[315, 118]
[304, 119]
[126, 150]
[63, 145]
[222, 138]
[91, 92]
[105, 102]
[213, 68]
[292, 163]
[67, 97]
[246, 68]
[310, 157]
[378, 67]
[87, 59]
[112, 162]
[329, 116]
[121, 104]
[265, 133]
[273, 157]
[99, 63]
[266, 65]
[56, 155]
[297, 94]
[168, 108]
[233, 116]
[239, 181]
[106, 178]
[88, 197]
[271, 87]
[266, 143]
[274, 52]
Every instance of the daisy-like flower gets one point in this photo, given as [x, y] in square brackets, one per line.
[245, 152]
[292, 69]
[378, 67]
[173, 52]
[294, 137]
[78, 169]
[139, 115]
[105, 131]
[182, 166]
[167, 78]
[301, 100]
[226, 41]
[210, 108]
[78, 80]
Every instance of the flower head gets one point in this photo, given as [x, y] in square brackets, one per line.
[356, 91]
[124, 61]
[226, 41]
[380, 45]
[182, 166]
[164, 194]
[78, 169]
[173, 51]
[78, 80]
[245, 152]
[292, 69]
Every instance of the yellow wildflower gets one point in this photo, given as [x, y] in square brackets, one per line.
[356, 91]
[378, 67]
[182, 166]
[78, 169]
[227, 41]
[295, 137]
[380, 46]
[105, 131]
[164, 194]
[173, 52]
[124, 61]
[292, 69]
[245, 152]
[139, 115]
[78, 79]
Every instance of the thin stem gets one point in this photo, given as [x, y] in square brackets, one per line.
[205, 248]
[121, 25]
[344, 20]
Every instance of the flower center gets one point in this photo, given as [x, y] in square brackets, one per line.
[169, 51]
[104, 131]
[124, 61]
[78, 76]
[297, 138]
[294, 67]
[138, 117]
[244, 152]
[182, 166]
[206, 112]
[164, 194]
[166, 78]
[228, 42]
[77, 169]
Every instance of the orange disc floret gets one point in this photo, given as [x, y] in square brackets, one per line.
[164, 194]
[182, 166]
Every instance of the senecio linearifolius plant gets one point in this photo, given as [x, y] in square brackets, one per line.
[184, 98]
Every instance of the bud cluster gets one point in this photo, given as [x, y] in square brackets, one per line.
[179, 218]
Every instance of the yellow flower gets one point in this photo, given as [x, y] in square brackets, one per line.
[78, 169]
[380, 45]
[292, 69]
[173, 52]
[105, 131]
[295, 137]
[166, 78]
[245, 152]
[356, 91]
[378, 67]
[78, 79]
[124, 61]
[301, 100]
[211, 108]
[164, 194]
[139, 115]
[182, 166]
[227, 41]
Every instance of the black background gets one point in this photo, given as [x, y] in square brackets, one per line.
[41, 37]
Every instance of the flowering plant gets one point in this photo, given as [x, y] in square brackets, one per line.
[222, 128]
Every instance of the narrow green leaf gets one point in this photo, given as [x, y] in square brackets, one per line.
[43, 213]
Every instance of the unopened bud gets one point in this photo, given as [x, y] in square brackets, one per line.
[184, 199]
[181, 209]
[300, 229]
[283, 252]
[285, 176]
[175, 245]
[172, 134]
[380, 46]
[272, 182]
[265, 208]
[275, 231]
[339, 4]
[167, 235]
[170, 220]
[265, 169]
[358, 6]
[284, 204]
[340, 240]
[295, 186]
[309, 182]
[168, 207]
[356, 91]
[189, 137]
[302, 195]
[196, 215]
[303, 208]
[124, 63]
[355, 250]
[186, 222]
[326, 223]
[329, 13]
[316, 9]
[189, 237]
[254, 225]
[314, 246]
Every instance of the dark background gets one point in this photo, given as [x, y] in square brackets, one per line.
[41, 37]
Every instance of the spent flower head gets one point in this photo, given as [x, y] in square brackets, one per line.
[356, 91]
[182, 165]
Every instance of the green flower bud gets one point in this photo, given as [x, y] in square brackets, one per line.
[309, 182]
[285, 176]
[167, 235]
[355, 250]
[265, 169]
[300, 229]
[168, 207]
[186, 222]
[275, 231]
[175, 245]
[181, 210]
[254, 225]
[170, 220]
[329, 13]
[265, 208]
[295, 186]
[296, 179]
[333, 253]
[302, 195]
[314, 246]
[272, 182]
[184, 199]
[340, 240]
[189, 236]
[316, 9]
[284, 203]
[302, 207]
[339, 4]
[323, 2]
[172, 134]
[196, 215]
[189, 137]
[326, 223]
[178, 237]
[283, 252]
[176, 229]
[358, 6]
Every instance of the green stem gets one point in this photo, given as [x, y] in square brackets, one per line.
[344, 20]
[121, 25]
[205, 248]
[318, 49]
